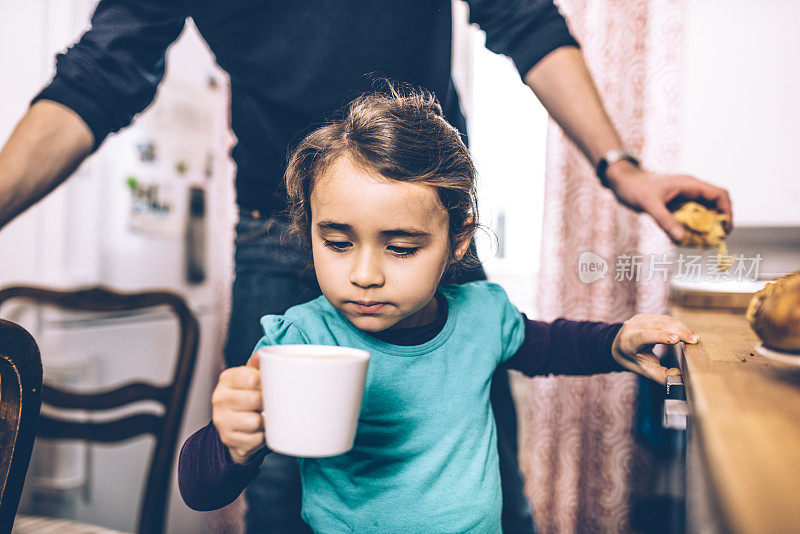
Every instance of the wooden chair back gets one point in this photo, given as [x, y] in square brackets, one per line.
[20, 398]
[172, 396]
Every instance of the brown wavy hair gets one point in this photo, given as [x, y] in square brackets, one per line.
[401, 134]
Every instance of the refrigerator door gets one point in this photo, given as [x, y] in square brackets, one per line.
[156, 174]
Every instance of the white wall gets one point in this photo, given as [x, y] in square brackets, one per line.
[741, 114]
[507, 133]
[508, 129]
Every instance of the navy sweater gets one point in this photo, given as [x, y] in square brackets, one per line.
[292, 64]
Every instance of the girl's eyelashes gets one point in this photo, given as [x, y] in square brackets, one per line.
[338, 246]
[402, 251]
[343, 246]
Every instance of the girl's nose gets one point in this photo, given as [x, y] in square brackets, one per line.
[366, 271]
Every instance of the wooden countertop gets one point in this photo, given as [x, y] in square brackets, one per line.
[746, 411]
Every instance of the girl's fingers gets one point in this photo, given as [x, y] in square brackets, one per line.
[254, 362]
[243, 377]
[683, 333]
[648, 365]
[651, 367]
[662, 373]
[669, 324]
[246, 440]
[245, 400]
[243, 443]
[240, 422]
[681, 330]
[649, 337]
[651, 321]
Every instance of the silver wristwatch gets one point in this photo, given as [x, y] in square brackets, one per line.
[612, 156]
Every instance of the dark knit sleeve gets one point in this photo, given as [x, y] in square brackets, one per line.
[566, 347]
[524, 30]
[111, 74]
[207, 476]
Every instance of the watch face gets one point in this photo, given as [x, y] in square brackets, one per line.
[612, 156]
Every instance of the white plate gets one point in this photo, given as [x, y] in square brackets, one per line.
[719, 286]
[786, 359]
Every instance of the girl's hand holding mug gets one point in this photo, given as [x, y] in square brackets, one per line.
[236, 410]
[633, 346]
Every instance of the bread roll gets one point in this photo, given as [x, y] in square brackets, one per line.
[774, 313]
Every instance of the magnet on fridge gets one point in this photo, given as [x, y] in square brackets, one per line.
[152, 209]
[146, 151]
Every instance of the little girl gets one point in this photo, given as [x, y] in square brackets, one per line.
[385, 198]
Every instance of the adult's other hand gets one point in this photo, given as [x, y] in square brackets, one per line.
[650, 192]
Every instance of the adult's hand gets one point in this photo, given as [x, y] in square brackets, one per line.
[650, 192]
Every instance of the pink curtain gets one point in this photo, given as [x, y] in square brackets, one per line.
[576, 443]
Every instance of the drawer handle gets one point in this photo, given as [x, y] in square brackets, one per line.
[676, 410]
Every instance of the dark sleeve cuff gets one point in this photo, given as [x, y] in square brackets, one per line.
[527, 58]
[229, 467]
[607, 342]
[524, 30]
[80, 102]
[208, 478]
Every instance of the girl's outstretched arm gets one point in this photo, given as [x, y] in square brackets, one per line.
[566, 347]
[584, 347]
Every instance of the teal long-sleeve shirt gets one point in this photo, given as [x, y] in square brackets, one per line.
[425, 456]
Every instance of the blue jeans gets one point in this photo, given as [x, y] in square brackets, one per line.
[272, 274]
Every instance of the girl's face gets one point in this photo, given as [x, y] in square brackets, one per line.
[380, 247]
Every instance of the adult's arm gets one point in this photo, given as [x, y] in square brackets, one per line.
[48, 144]
[207, 476]
[566, 347]
[563, 84]
[100, 84]
[535, 36]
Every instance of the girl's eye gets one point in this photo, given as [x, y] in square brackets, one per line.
[402, 251]
[338, 246]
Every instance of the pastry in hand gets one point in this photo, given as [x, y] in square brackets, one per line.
[774, 313]
[704, 228]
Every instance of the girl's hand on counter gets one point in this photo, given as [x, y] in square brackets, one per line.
[634, 343]
[236, 410]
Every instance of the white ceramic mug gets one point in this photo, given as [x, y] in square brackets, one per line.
[312, 398]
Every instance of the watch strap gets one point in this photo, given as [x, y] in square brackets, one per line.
[610, 157]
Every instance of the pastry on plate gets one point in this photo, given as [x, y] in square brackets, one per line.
[774, 313]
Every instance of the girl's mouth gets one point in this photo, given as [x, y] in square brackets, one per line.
[368, 307]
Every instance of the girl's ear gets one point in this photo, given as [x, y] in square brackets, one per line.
[461, 247]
